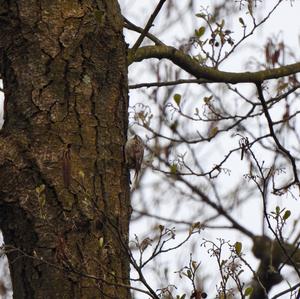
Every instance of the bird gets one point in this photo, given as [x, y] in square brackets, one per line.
[134, 154]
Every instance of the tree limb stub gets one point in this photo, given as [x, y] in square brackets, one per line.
[266, 249]
[193, 67]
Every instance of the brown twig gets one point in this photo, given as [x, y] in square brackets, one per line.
[148, 25]
[281, 148]
[168, 83]
[263, 190]
[130, 26]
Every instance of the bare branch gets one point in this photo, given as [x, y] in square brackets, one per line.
[193, 67]
[130, 26]
[168, 83]
[148, 25]
[297, 285]
[273, 134]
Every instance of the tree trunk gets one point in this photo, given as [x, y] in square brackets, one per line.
[64, 199]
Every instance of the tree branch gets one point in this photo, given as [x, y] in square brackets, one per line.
[218, 208]
[270, 253]
[264, 248]
[168, 83]
[286, 291]
[148, 25]
[130, 26]
[280, 147]
[193, 67]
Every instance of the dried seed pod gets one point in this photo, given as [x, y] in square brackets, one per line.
[66, 165]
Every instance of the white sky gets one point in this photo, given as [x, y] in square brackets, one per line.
[285, 22]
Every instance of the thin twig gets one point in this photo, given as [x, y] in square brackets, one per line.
[251, 32]
[162, 218]
[263, 191]
[142, 279]
[218, 208]
[73, 270]
[286, 291]
[130, 26]
[281, 148]
[169, 83]
[148, 25]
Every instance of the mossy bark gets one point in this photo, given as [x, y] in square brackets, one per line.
[64, 198]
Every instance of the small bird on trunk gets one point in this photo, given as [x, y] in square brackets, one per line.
[134, 153]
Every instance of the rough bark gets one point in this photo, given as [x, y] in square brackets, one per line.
[64, 199]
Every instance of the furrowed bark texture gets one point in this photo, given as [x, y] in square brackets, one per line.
[64, 199]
